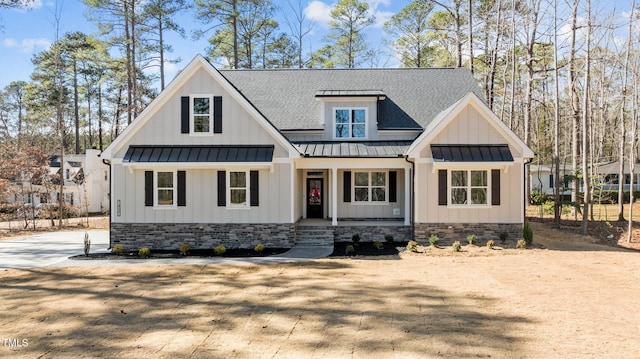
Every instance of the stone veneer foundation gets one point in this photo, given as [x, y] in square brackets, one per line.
[449, 232]
[201, 236]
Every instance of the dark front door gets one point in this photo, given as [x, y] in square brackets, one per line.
[314, 198]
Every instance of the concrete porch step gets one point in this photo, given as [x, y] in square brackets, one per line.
[314, 236]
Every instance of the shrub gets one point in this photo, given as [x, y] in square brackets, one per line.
[219, 250]
[184, 249]
[433, 239]
[472, 238]
[349, 250]
[388, 238]
[117, 249]
[378, 245]
[259, 248]
[491, 243]
[412, 246]
[355, 238]
[527, 233]
[504, 236]
[456, 246]
[144, 252]
[522, 244]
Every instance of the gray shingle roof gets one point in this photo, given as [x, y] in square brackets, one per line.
[375, 149]
[414, 96]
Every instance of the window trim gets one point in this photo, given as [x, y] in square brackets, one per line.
[468, 187]
[351, 123]
[192, 124]
[228, 189]
[174, 204]
[370, 187]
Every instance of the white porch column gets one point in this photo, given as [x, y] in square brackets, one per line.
[334, 196]
[407, 196]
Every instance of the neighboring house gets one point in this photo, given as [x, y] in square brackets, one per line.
[605, 174]
[245, 156]
[86, 184]
[542, 179]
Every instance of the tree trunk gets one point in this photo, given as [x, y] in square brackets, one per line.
[585, 126]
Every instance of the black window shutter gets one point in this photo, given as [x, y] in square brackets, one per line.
[495, 187]
[347, 186]
[393, 186]
[253, 188]
[148, 188]
[442, 187]
[217, 114]
[182, 188]
[222, 188]
[184, 114]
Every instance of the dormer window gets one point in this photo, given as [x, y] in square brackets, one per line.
[350, 122]
[202, 114]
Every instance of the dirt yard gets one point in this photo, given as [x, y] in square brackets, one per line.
[572, 299]
[16, 228]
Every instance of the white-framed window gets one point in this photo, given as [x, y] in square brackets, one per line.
[238, 189]
[370, 186]
[201, 114]
[165, 192]
[350, 122]
[469, 187]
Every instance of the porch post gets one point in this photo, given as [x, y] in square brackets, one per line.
[407, 196]
[334, 196]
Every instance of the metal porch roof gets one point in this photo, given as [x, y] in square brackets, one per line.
[471, 153]
[206, 153]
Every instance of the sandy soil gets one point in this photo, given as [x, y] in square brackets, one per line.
[573, 299]
[16, 228]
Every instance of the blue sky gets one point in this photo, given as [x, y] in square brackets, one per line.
[26, 32]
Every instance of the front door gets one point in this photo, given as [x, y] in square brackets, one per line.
[314, 198]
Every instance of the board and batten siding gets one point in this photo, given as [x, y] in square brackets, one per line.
[509, 210]
[238, 127]
[469, 127]
[371, 209]
[202, 199]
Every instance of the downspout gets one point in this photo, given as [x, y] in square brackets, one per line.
[412, 197]
[108, 163]
[527, 161]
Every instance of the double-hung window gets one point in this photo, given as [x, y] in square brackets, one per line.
[370, 186]
[201, 114]
[165, 188]
[350, 123]
[238, 187]
[469, 187]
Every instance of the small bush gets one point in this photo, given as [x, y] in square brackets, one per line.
[184, 249]
[388, 238]
[521, 244]
[504, 236]
[456, 246]
[527, 233]
[412, 246]
[491, 243]
[355, 238]
[117, 249]
[472, 238]
[378, 245]
[349, 250]
[434, 240]
[259, 248]
[144, 252]
[219, 250]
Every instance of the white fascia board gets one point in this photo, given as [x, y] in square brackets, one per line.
[445, 117]
[187, 73]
